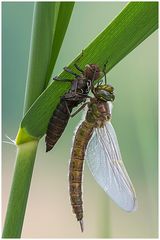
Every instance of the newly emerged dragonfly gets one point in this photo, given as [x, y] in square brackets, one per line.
[96, 141]
[80, 87]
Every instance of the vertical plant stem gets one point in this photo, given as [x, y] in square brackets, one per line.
[20, 188]
[46, 15]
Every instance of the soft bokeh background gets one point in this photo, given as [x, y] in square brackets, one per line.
[48, 212]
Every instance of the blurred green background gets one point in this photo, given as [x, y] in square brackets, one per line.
[135, 80]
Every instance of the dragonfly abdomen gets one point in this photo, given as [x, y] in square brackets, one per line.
[57, 123]
[82, 137]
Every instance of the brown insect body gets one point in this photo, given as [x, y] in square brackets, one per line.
[58, 123]
[77, 94]
[98, 113]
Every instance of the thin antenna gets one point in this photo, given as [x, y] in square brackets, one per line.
[81, 55]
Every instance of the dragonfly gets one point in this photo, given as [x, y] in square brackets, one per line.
[80, 87]
[95, 140]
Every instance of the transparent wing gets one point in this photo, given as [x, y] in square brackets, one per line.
[105, 163]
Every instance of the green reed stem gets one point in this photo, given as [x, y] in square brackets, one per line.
[47, 18]
[20, 188]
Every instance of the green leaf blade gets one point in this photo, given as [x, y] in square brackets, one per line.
[64, 15]
[134, 24]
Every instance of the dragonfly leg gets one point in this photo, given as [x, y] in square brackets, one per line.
[67, 108]
[80, 56]
[74, 85]
[78, 110]
[78, 68]
[62, 80]
[84, 95]
[71, 72]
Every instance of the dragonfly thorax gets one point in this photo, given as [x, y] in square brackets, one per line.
[99, 112]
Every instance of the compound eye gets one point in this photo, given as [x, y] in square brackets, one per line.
[113, 97]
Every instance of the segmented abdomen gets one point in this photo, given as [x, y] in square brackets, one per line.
[82, 137]
[58, 123]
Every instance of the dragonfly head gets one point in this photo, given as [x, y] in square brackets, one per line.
[92, 71]
[104, 92]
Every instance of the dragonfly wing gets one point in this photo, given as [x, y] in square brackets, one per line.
[105, 163]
